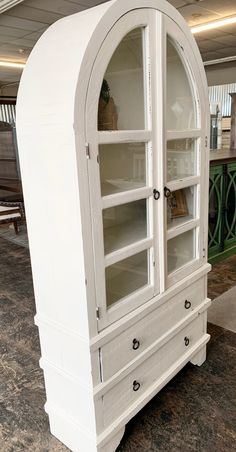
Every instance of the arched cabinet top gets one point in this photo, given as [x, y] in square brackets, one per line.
[54, 84]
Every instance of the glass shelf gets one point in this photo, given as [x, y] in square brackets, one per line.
[181, 250]
[126, 276]
[121, 104]
[181, 207]
[122, 167]
[124, 224]
[181, 159]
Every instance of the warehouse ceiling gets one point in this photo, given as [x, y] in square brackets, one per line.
[23, 21]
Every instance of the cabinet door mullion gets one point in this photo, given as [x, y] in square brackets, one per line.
[110, 198]
[157, 53]
[198, 130]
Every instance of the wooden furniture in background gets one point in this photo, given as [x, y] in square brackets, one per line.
[10, 183]
[12, 212]
[222, 202]
[8, 160]
[233, 121]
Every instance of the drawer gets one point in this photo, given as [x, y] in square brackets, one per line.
[129, 344]
[133, 386]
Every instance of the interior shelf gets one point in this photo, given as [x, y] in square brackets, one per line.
[177, 222]
[124, 224]
[119, 236]
[125, 277]
[113, 186]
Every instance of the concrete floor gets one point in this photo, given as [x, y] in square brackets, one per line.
[195, 412]
[222, 312]
[222, 277]
[222, 291]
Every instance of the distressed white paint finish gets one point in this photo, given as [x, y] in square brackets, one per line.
[119, 398]
[57, 92]
[119, 352]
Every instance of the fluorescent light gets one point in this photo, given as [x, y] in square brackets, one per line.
[212, 25]
[10, 64]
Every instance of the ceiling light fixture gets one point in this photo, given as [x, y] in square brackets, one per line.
[10, 64]
[212, 25]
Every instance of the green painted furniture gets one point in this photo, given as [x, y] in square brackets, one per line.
[222, 208]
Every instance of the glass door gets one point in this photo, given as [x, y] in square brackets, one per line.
[183, 146]
[123, 168]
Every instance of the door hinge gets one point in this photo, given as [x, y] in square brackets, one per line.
[206, 142]
[98, 313]
[87, 151]
[204, 252]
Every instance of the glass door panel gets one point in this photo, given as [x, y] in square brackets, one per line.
[181, 207]
[124, 224]
[181, 250]
[181, 158]
[122, 167]
[121, 103]
[180, 113]
[121, 170]
[126, 276]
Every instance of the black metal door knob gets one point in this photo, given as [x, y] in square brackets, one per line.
[187, 304]
[186, 341]
[136, 385]
[136, 344]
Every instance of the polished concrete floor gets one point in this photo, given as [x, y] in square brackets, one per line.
[222, 311]
[222, 277]
[196, 411]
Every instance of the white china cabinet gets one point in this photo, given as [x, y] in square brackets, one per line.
[112, 123]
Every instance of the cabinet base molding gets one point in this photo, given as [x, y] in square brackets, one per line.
[200, 357]
[107, 434]
[79, 439]
[114, 442]
[74, 436]
[68, 431]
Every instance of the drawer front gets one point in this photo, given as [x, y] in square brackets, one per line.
[128, 390]
[128, 345]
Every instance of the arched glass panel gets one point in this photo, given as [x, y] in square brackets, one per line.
[180, 110]
[121, 103]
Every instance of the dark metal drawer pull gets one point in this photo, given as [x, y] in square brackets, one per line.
[136, 385]
[187, 304]
[167, 192]
[156, 194]
[186, 341]
[136, 344]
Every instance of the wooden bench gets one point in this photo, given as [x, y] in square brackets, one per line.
[12, 212]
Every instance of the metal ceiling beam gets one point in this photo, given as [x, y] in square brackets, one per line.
[220, 60]
[8, 4]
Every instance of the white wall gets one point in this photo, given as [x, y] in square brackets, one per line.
[221, 74]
